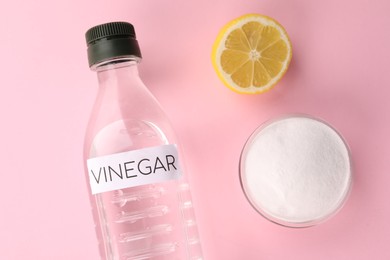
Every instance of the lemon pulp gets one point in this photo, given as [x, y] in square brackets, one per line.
[251, 53]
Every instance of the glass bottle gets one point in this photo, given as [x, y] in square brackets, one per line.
[140, 198]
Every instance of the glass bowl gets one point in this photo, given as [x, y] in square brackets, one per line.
[296, 171]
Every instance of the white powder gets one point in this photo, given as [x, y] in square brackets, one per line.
[296, 171]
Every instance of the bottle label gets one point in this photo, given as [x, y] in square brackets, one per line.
[133, 168]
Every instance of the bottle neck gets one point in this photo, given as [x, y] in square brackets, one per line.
[117, 70]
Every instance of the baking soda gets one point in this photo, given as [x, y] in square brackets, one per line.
[296, 171]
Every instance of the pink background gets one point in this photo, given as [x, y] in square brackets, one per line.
[339, 72]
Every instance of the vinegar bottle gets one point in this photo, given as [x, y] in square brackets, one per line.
[140, 198]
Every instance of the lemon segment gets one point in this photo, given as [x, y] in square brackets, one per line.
[251, 53]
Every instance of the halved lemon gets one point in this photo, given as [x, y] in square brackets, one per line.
[251, 53]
